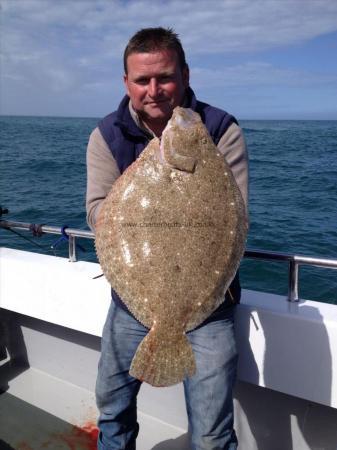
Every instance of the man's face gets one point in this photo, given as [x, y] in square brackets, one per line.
[155, 84]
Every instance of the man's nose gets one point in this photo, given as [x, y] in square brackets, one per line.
[153, 88]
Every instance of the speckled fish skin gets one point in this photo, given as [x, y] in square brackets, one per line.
[169, 238]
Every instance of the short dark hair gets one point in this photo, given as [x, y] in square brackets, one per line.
[149, 40]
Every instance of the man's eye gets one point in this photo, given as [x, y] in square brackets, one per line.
[142, 81]
[166, 79]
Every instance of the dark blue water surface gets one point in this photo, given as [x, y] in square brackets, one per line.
[293, 192]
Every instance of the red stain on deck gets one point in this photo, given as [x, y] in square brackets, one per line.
[24, 446]
[77, 438]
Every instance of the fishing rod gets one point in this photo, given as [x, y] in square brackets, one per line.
[38, 230]
[32, 227]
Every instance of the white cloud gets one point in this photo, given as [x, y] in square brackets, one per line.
[53, 47]
[212, 26]
[258, 74]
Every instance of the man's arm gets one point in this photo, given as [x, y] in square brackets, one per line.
[233, 146]
[102, 172]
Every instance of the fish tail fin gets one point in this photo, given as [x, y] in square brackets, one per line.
[162, 360]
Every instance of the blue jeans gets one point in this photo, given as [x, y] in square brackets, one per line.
[208, 394]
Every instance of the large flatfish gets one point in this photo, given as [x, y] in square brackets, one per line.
[169, 238]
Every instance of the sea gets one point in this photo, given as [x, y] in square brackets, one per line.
[292, 201]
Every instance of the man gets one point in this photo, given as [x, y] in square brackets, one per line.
[156, 81]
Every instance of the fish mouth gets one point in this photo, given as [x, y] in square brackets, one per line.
[184, 117]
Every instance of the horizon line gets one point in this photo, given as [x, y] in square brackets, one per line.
[100, 117]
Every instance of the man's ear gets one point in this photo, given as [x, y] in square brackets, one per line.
[126, 83]
[186, 76]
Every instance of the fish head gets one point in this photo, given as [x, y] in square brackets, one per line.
[181, 139]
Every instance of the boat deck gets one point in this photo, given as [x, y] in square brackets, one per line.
[30, 424]
[285, 397]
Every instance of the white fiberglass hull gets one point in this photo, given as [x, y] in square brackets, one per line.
[52, 315]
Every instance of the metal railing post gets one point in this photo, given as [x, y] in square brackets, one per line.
[293, 281]
[72, 248]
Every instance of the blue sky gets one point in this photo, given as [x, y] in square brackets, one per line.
[258, 59]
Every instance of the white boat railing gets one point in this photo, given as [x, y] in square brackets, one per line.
[294, 261]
